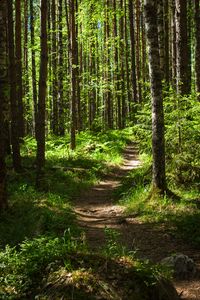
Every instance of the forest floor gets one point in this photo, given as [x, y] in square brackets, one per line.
[97, 208]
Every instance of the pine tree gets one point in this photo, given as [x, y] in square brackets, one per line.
[3, 102]
[40, 124]
[158, 141]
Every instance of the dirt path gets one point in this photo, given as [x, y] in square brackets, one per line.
[96, 209]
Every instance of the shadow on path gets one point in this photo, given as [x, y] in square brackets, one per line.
[96, 209]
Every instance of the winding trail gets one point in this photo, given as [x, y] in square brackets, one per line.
[96, 209]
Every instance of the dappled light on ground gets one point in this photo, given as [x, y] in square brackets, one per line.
[96, 210]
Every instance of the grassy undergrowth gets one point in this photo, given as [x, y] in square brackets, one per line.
[182, 217]
[33, 213]
[38, 237]
[63, 268]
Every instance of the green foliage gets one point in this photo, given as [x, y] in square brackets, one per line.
[23, 268]
[182, 135]
[32, 212]
[113, 248]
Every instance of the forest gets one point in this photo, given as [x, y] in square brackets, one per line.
[100, 149]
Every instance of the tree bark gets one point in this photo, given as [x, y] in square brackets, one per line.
[61, 127]
[18, 51]
[33, 71]
[182, 62]
[3, 102]
[133, 64]
[158, 141]
[116, 61]
[28, 128]
[122, 58]
[73, 67]
[197, 47]
[13, 91]
[40, 124]
[54, 71]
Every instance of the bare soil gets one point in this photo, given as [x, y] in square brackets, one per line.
[96, 208]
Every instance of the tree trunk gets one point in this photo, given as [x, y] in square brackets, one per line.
[166, 30]
[108, 101]
[158, 143]
[183, 74]
[18, 51]
[138, 55]
[116, 61]
[197, 47]
[173, 45]
[73, 67]
[33, 71]
[61, 129]
[78, 73]
[40, 124]
[122, 58]
[54, 71]
[133, 65]
[13, 92]
[3, 102]
[26, 90]
[161, 35]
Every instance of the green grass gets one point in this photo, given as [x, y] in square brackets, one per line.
[32, 212]
[40, 243]
[180, 217]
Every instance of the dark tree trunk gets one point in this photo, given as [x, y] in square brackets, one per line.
[3, 103]
[61, 129]
[78, 73]
[33, 71]
[108, 100]
[26, 70]
[13, 92]
[40, 124]
[138, 54]
[197, 47]
[173, 45]
[73, 67]
[133, 65]
[122, 58]
[182, 62]
[116, 59]
[166, 30]
[54, 71]
[158, 143]
[18, 51]
[161, 35]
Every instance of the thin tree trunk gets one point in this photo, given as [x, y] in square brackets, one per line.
[108, 105]
[13, 92]
[197, 47]
[78, 72]
[3, 103]
[166, 30]
[173, 45]
[138, 58]
[61, 129]
[18, 47]
[54, 70]
[73, 67]
[40, 124]
[183, 76]
[161, 35]
[26, 70]
[33, 71]
[158, 141]
[133, 65]
[116, 60]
